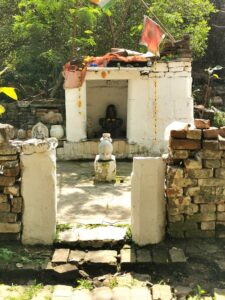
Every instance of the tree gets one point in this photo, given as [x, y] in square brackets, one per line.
[37, 37]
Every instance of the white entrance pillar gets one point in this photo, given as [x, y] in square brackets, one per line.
[76, 114]
[147, 200]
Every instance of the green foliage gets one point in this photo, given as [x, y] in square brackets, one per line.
[27, 294]
[38, 36]
[199, 293]
[219, 119]
[84, 284]
[5, 254]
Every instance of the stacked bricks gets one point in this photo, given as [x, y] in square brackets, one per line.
[195, 182]
[10, 198]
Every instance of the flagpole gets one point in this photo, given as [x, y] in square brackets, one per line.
[160, 23]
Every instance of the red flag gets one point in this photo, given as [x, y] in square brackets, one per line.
[152, 35]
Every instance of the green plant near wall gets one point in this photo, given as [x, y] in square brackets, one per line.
[219, 119]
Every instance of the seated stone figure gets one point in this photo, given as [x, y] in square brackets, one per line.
[111, 123]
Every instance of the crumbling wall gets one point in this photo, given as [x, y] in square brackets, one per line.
[195, 182]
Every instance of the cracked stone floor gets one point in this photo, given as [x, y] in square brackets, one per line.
[81, 201]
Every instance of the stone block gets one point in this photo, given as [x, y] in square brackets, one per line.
[179, 201]
[173, 211]
[194, 134]
[101, 257]
[220, 173]
[76, 256]
[211, 154]
[211, 163]
[161, 292]
[121, 293]
[10, 227]
[8, 150]
[221, 142]
[211, 133]
[142, 293]
[191, 209]
[4, 158]
[185, 144]
[192, 191]
[17, 204]
[211, 182]
[176, 233]
[202, 123]
[3, 198]
[201, 199]
[177, 218]
[186, 182]
[207, 208]
[208, 225]
[11, 172]
[12, 190]
[210, 145]
[221, 207]
[179, 154]
[127, 256]
[201, 217]
[174, 192]
[223, 163]
[8, 218]
[174, 172]
[102, 293]
[147, 200]
[11, 164]
[200, 234]
[177, 255]
[160, 255]
[220, 216]
[193, 164]
[105, 171]
[178, 134]
[7, 181]
[60, 256]
[220, 191]
[183, 225]
[203, 173]
[143, 256]
[4, 207]
[6, 133]
[222, 131]
[39, 195]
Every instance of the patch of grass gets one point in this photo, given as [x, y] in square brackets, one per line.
[91, 226]
[84, 284]
[113, 282]
[63, 227]
[6, 254]
[199, 293]
[128, 233]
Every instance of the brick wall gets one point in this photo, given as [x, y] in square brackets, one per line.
[25, 114]
[11, 203]
[195, 182]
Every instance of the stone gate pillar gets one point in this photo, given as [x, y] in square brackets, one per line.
[147, 200]
[38, 164]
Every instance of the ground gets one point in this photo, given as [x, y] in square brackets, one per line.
[93, 257]
[81, 201]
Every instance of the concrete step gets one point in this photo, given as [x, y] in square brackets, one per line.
[92, 236]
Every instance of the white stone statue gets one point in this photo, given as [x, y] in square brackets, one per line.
[40, 131]
[105, 147]
[105, 162]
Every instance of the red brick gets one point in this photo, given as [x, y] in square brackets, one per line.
[202, 124]
[11, 172]
[17, 204]
[178, 134]
[211, 133]
[7, 181]
[210, 144]
[184, 144]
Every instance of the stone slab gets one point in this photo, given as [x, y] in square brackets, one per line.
[102, 293]
[81, 295]
[161, 292]
[144, 256]
[177, 255]
[76, 256]
[60, 256]
[62, 291]
[219, 294]
[128, 256]
[141, 293]
[101, 257]
[160, 256]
